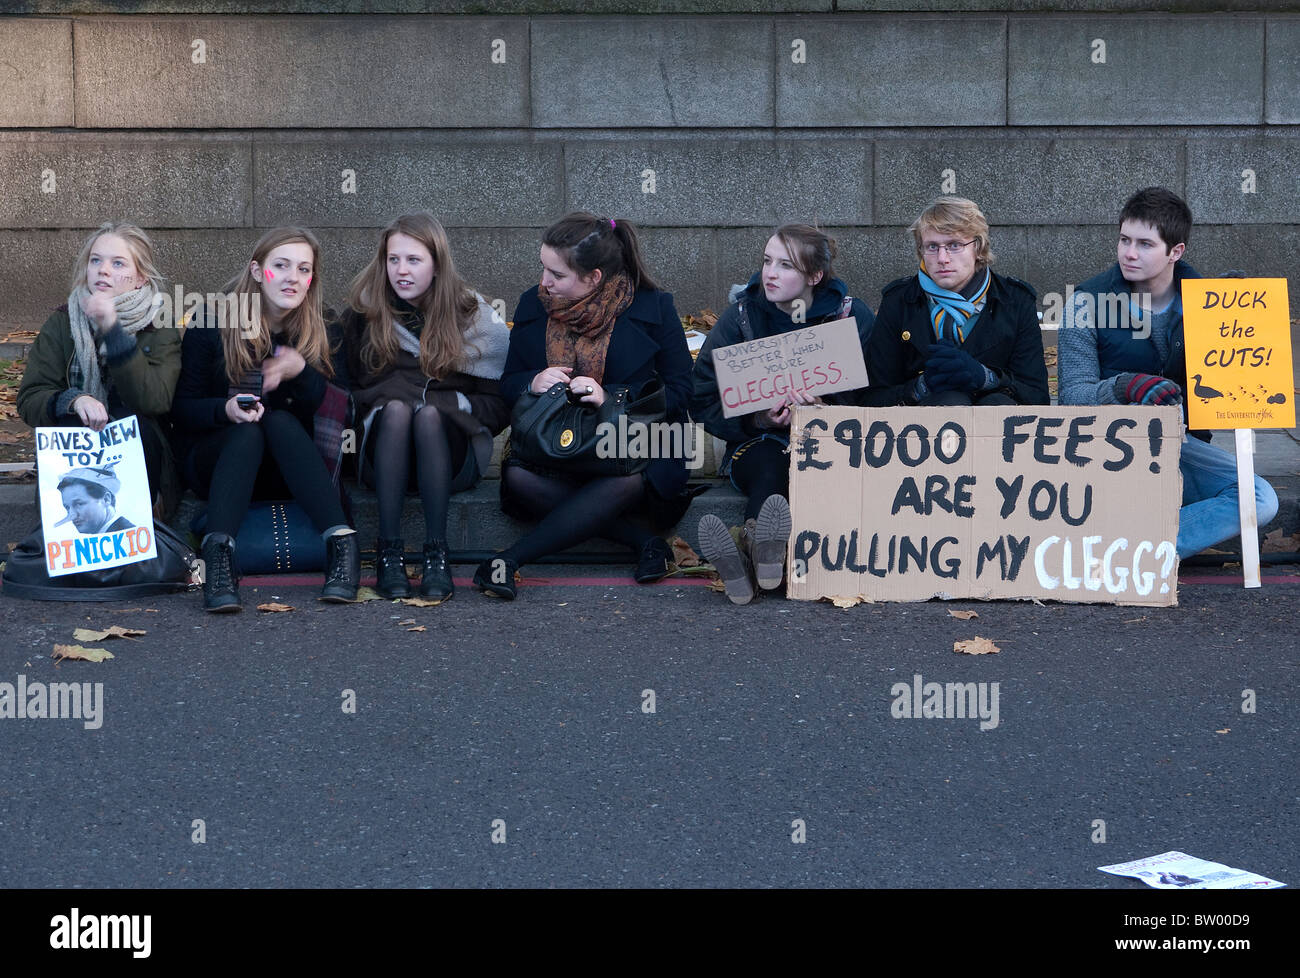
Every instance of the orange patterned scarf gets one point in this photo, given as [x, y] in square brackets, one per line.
[578, 330]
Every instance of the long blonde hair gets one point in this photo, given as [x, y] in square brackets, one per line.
[448, 305]
[304, 327]
[137, 243]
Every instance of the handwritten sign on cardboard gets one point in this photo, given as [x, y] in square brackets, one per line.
[96, 505]
[816, 360]
[1064, 503]
[1238, 340]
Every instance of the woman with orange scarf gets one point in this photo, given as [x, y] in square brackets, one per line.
[597, 319]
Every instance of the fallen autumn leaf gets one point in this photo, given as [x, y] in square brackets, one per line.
[975, 646]
[112, 631]
[80, 652]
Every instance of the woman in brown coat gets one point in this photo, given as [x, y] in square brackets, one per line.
[422, 353]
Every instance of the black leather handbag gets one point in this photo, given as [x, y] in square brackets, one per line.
[175, 568]
[551, 431]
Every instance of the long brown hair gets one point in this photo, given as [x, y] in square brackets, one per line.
[588, 242]
[811, 250]
[304, 327]
[448, 305]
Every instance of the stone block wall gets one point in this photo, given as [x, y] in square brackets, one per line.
[707, 122]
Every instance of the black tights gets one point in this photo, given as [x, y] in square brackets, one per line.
[268, 459]
[761, 470]
[397, 427]
[570, 514]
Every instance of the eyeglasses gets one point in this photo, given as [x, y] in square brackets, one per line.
[952, 247]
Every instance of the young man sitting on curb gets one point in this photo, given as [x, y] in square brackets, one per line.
[1129, 350]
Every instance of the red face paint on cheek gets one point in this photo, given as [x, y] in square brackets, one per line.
[308, 280]
[269, 276]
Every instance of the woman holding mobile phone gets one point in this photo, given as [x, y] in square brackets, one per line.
[245, 413]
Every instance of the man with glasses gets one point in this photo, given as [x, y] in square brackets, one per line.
[955, 333]
[1122, 343]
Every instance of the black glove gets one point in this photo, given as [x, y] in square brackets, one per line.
[950, 368]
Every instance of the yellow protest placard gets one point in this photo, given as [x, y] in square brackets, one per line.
[1238, 340]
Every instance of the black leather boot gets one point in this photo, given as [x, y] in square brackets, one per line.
[220, 576]
[390, 569]
[435, 575]
[342, 568]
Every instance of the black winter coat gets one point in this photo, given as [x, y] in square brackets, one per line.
[765, 319]
[203, 389]
[647, 339]
[1006, 338]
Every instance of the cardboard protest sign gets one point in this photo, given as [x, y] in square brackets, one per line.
[1065, 503]
[1238, 341]
[816, 360]
[96, 505]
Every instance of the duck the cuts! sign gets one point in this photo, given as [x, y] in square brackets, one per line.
[1238, 341]
[758, 374]
[905, 504]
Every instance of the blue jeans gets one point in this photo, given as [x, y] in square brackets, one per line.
[1209, 514]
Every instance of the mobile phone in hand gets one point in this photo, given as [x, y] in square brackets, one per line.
[246, 402]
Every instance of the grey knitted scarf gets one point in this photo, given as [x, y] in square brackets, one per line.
[135, 311]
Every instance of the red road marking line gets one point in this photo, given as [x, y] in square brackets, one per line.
[294, 580]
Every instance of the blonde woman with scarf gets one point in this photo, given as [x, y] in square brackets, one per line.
[597, 319]
[103, 356]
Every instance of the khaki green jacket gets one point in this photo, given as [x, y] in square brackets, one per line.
[145, 381]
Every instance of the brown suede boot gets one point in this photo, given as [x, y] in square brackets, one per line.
[766, 539]
[718, 545]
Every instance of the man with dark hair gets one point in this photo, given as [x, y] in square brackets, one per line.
[90, 497]
[1122, 343]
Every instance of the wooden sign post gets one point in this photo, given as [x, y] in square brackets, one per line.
[1239, 376]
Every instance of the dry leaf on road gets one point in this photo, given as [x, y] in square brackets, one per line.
[80, 652]
[1276, 543]
[275, 606]
[975, 646]
[418, 628]
[851, 602]
[683, 555]
[112, 631]
[1224, 730]
[367, 594]
[408, 621]
[964, 615]
[421, 602]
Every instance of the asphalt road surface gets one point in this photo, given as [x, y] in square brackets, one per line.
[530, 722]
